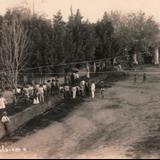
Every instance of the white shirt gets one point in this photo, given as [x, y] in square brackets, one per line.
[88, 74]
[93, 87]
[37, 86]
[45, 87]
[74, 89]
[77, 75]
[2, 103]
[18, 90]
[5, 119]
[40, 90]
[83, 83]
[66, 88]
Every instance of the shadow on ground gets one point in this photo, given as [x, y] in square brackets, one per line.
[58, 113]
[148, 146]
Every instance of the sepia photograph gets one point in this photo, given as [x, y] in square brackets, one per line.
[79, 79]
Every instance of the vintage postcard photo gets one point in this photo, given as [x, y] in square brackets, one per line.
[79, 79]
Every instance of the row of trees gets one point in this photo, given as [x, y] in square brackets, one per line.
[31, 41]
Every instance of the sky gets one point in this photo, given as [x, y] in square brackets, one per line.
[90, 9]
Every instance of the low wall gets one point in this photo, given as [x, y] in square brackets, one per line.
[28, 114]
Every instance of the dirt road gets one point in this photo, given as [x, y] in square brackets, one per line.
[126, 124]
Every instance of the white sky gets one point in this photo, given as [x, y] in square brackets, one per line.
[90, 9]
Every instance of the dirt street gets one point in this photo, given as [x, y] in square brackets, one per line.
[126, 124]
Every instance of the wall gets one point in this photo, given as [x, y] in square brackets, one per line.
[25, 116]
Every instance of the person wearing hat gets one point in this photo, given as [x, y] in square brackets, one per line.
[5, 120]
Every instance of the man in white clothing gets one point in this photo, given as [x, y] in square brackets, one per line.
[74, 91]
[93, 89]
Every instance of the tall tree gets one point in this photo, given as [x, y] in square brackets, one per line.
[58, 37]
[80, 41]
[104, 31]
[13, 49]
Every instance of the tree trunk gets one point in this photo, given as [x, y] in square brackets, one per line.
[15, 85]
[135, 61]
[156, 56]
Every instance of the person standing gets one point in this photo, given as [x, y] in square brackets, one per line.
[135, 78]
[57, 85]
[94, 68]
[82, 85]
[5, 120]
[88, 71]
[31, 90]
[66, 91]
[74, 92]
[35, 97]
[93, 89]
[48, 87]
[45, 92]
[37, 86]
[41, 94]
[53, 86]
[87, 88]
[102, 88]
[2, 104]
[144, 77]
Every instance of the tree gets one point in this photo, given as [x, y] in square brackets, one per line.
[58, 37]
[104, 31]
[13, 49]
[41, 49]
[80, 40]
[134, 32]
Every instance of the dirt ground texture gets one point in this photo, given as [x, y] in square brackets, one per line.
[125, 124]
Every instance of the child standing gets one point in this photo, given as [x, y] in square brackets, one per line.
[5, 120]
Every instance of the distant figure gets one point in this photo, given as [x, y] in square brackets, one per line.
[102, 88]
[87, 88]
[72, 79]
[57, 86]
[48, 87]
[31, 90]
[41, 93]
[94, 68]
[2, 104]
[45, 92]
[53, 86]
[88, 74]
[37, 86]
[120, 67]
[35, 97]
[66, 91]
[18, 90]
[114, 61]
[74, 92]
[93, 89]
[135, 77]
[5, 120]
[26, 92]
[144, 77]
[82, 86]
